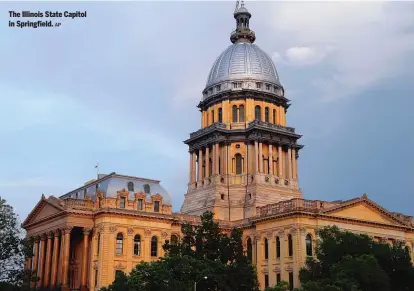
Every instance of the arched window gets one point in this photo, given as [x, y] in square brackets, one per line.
[220, 115]
[174, 240]
[274, 116]
[234, 113]
[238, 164]
[137, 245]
[212, 116]
[257, 112]
[241, 113]
[290, 245]
[277, 247]
[308, 245]
[147, 189]
[130, 186]
[119, 244]
[249, 249]
[267, 114]
[154, 246]
[266, 248]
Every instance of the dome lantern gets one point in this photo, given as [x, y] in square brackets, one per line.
[242, 32]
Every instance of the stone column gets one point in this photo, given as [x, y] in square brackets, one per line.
[280, 162]
[35, 258]
[190, 178]
[213, 159]
[270, 159]
[229, 160]
[289, 164]
[207, 162]
[194, 167]
[42, 261]
[66, 254]
[48, 259]
[256, 154]
[217, 158]
[200, 166]
[86, 232]
[293, 163]
[55, 259]
[261, 157]
[283, 254]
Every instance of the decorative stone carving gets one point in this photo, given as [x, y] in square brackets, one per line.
[276, 270]
[95, 266]
[119, 266]
[112, 229]
[289, 268]
[164, 234]
[56, 232]
[50, 234]
[43, 236]
[147, 232]
[269, 235]
[265, 270]
[86, 231]
[303, 230]
[67, 229]
[130, 231]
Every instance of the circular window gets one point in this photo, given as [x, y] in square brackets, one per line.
[237, 146]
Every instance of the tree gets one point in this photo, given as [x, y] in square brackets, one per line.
[352, 262]
[204, 251]
[13, 251]
[281, 286]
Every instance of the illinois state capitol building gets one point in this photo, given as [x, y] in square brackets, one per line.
[243, 167]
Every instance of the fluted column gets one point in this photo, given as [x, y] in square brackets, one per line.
[86, 232]
[293, 163]
[67, 232]
[261, 157]
[42, 261]
[55, 259]
[35, 258]
[207, 162]
[200, 166]
[270, 159]
[48, 259]
[256, 154]
[289, 164]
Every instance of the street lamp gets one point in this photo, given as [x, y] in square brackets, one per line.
[195, 283]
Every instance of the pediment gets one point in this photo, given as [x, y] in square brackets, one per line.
[364, 210]
[43, 209]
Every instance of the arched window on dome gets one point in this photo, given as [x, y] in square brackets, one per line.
[212, 116]
[234, 113]
[257, 112]
[220, 115]
[274, 116]
[241, 113]
[267, 114]
[147, 189]
[137, 245]
[238, 164]
[130, 186]
[154, 246]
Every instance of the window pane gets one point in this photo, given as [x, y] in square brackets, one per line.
[274, 116]
[238, 164]
[157, 206]
[130, 186]
[290, 245]
[266, 249]
[139, 204]
[308, 245]
[267, 114]
[119, 243]
[277, 247]
[220, 115]
[154, 247]
[234, 113]
[137, 245]
[122, 202]
[147, 189]
[241, 113]
[257, 112]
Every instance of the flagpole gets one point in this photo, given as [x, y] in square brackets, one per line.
[97, 170]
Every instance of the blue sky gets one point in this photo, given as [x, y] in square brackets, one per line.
[121, 87]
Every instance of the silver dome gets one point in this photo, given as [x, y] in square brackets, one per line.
[243, 61]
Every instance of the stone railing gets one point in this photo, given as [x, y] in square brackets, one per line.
[258, 123]
[78, 203]
[207, 129]
[295, 204]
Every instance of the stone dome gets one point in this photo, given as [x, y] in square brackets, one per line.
[243, 61]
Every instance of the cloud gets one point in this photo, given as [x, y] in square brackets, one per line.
[304, 55]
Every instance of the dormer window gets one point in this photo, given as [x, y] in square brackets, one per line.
[237, 85]
[259, 85]
[147, 189]
[130, 186]
[157, 206]
[140, 204]
[210, 91]
[218, 88]
[122, 202]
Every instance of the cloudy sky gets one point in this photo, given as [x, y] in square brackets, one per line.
[121, 87]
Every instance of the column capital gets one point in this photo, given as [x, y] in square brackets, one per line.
[67, 229]
[50, 234]
[86, 231]
[36, 238]
[57, 232]
[43, 237]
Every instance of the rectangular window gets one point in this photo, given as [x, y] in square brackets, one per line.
[96, 278]
[291, 281]
[267, 87]
[218, 88]
[234, 85]
[278, 278]
[220, 115]
[266, 281]
[259, 85]
[157, 206]
[122, 202]
[140, 204]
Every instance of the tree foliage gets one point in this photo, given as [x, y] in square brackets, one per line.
[204, 256]
[355, 262]
[13, 251]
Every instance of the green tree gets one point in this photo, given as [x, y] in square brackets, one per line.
[355, 262]
[13, 251]
[281, 286]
